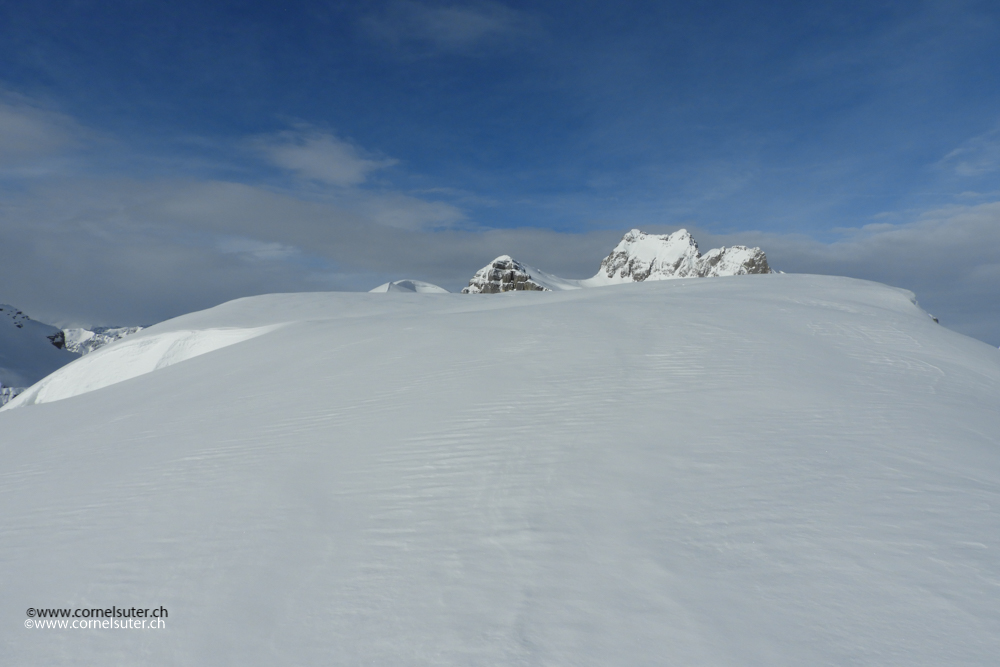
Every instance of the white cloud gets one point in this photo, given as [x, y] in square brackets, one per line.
[405, 212]
[320, 156]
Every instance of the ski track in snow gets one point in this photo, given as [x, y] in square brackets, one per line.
[750, 471]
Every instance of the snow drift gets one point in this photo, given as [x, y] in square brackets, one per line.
[758, 470]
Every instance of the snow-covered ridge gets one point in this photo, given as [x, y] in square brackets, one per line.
[29, 350]
[14, 314]
[19, 319]
[129, 359]
[418, 286]
[637, 257]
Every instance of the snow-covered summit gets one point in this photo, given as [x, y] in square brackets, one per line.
[641, 256]
[637, 257]
[418, 286]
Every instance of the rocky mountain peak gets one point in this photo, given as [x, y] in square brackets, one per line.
[503, 274]
[640, 256]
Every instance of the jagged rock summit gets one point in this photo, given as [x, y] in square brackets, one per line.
[503, 274]
[637, 257]
[641, 256]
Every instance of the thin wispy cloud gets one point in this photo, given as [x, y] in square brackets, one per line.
[405, 212]
[979, 155]
[410, 25]
[30, 133]
[320, 156]
[344, 169]
[258, 250]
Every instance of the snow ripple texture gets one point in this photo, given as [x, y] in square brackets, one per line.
[751, 470]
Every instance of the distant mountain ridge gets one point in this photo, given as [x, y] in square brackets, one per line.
[83, 341]
[637, 257]
[30, 350]
[641, 256]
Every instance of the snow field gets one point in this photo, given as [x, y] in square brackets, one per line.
[759, 470]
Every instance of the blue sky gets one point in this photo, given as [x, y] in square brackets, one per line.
[183, 153]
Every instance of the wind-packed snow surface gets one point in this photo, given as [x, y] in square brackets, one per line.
[753, 470]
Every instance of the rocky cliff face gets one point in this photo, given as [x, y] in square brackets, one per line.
[503, 274]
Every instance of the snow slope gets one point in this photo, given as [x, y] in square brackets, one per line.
[418, 286]
[755, 470]
[131, 358]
